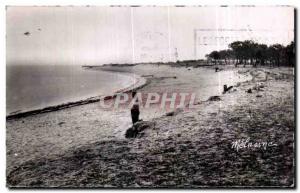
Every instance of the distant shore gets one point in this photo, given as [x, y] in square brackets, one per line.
[183, 63]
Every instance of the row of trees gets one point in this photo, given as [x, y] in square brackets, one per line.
[252, 53]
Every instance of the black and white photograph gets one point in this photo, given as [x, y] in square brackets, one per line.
[150, 96]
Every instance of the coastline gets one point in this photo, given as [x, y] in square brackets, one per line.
[54, 132]
[186, 143]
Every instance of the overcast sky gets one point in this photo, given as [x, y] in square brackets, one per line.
[100, 35]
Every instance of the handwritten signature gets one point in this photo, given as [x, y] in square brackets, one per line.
[251, 145]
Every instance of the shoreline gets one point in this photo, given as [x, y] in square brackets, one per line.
[183, 149]
[109, 68]
[140, 82]
[111, 124]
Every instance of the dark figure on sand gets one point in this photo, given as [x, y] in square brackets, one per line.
[135, 110]
[226, 89]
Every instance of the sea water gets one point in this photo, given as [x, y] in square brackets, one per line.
[30, 87]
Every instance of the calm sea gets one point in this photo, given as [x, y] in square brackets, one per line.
[30, 87]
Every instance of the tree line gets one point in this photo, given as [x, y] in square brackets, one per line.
[249, 52]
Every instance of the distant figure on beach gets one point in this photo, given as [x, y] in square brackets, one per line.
[135, 110]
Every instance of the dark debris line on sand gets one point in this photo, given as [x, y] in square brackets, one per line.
[189, 149]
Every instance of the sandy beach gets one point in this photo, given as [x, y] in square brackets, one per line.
[189, 148]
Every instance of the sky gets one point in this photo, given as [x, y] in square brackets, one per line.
[91, 35]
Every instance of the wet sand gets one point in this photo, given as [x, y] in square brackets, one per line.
[80, 147]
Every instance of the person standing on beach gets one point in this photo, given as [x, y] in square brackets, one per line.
[135, 110]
